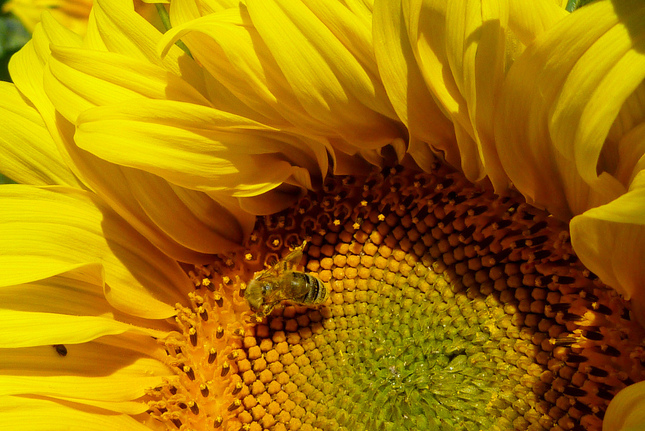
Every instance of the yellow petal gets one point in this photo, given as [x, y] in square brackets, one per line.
[427, 28]
[75, 90]
[234, 63]
[79, 79]
[75, 293]
[27, 68]
[529, 19]
[580, 73]
[129, 34]
[460, 50]
[610, 241]
[626, 412]
[89, 372]
[116, 184]
[29, 154]
[195, 147]
[182, 11]
[136, 47]
[195, 220]
[612, 63]
[430, 130]
[44, 232]
[25, 329]
[631, 148]
[33, 414]
[330, 64]
[313, 96]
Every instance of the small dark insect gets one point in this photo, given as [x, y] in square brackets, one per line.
[60, 349]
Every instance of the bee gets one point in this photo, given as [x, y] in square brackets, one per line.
[280, 283]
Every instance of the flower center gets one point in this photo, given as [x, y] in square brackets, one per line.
[449, 308]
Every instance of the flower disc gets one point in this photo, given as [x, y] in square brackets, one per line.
[449, 308]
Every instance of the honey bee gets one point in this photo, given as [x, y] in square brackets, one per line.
[280, 283]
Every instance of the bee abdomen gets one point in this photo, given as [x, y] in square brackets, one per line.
[317, 293]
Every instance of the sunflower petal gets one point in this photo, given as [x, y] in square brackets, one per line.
[117, 184]
[563, 160]
[25, 329]
[29, 155]
[44, 232]
[330, 77]
[182, 11]
[430, 130]
[71, 13]
[192, 146]
[89, 372]
[192, 218]
[34, 414]
[529, 19]
[460, 50]
[611, 62]
[226, 48]
[27, 66]
[289, 96]
[610, 241]
[79, 79]
[77, 293]
[626, 412]
[129, 33]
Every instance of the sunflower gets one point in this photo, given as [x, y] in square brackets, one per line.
[465, 251]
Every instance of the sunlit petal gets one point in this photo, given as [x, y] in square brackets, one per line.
[312, 64]
[258, 72]
[563, 161]
[89, 373]
[461, 51]
[22, 328]
[29, 154]
[80, 79]
[430, 130]
[35, 414]
[115, 183]
[139, 279]
[209, 149]
[75, 293]
[27, 68]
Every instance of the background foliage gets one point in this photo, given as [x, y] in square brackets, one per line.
[12, 37]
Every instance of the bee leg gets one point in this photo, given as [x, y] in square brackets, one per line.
[265, 310]
[256, 318]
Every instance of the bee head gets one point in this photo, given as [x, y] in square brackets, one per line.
[255, 292]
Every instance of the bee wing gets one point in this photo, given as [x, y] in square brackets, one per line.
[291, 259]
[266, 274]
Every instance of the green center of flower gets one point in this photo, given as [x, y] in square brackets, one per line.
[421, 360]
[401, 347]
